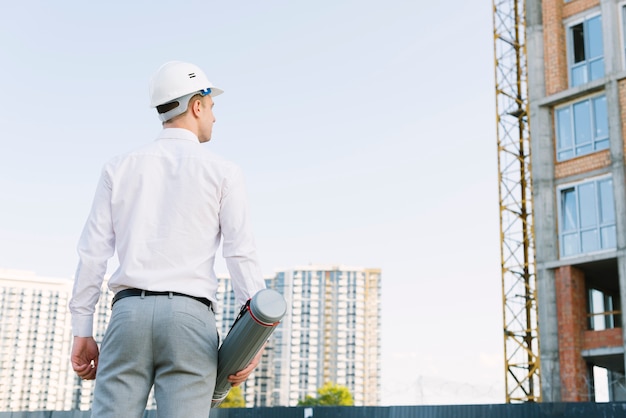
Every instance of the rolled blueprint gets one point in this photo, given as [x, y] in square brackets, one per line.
[257, 319]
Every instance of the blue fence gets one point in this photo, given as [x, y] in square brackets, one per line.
[527, 410]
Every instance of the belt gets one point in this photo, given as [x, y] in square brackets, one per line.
[139, 292]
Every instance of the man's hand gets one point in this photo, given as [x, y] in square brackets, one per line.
[241, 376]
[85, 357]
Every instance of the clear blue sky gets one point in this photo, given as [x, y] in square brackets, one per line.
[366, 130]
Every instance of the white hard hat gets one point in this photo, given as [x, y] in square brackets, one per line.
[178, 81]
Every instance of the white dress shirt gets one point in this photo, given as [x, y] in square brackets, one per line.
[165, 207]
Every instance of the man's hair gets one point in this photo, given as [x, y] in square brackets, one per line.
[174, 104]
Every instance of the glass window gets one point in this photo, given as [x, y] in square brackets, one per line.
[587, 218]
[603, 310]
[587, 55]
[596, 59]
[608, 231]
[601, 123]
[582, 128]
[564, 134]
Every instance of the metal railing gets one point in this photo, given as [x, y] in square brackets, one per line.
[525, 410]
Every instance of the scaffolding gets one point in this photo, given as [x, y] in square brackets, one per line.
[519, 292]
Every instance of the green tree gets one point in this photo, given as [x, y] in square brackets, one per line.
[234, 399]
[330, 394]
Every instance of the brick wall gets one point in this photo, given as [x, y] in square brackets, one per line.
[582, 164]
[602, 339]
[572, 318]
[554, 46]
[574, 7]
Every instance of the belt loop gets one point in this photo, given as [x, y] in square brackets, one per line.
[143, 294]
[170, 295]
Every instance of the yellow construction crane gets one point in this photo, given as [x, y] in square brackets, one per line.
[519, 291]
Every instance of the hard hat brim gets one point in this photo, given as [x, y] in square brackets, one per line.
[215, 91]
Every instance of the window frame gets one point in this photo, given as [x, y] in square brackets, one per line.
[580, 229]
[595, 140]
[569, 25]
[606, 316]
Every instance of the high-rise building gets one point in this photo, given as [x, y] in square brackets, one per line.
[331, 332]
[35, 372]
[35, 344]
[576, 55]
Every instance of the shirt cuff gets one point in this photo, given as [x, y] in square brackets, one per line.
[82, 325]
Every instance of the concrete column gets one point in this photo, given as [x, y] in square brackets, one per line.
[542, 157]
[611, 36]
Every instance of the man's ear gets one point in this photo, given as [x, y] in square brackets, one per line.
[195, 107]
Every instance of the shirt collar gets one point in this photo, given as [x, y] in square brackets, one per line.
[178, 133]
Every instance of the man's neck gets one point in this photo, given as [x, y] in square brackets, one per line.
[181, 124]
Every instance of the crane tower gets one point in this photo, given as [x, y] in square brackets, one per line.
[519, 291]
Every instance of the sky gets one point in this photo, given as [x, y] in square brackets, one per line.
[366, 131]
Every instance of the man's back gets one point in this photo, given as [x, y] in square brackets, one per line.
[165, 208]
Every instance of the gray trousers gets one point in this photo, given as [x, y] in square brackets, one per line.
[166, 341]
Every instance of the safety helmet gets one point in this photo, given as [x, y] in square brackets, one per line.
[177, 81]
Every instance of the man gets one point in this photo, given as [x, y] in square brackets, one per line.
[164, 208]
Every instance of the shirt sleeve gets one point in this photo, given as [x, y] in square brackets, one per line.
[95, 247]
[239, 249]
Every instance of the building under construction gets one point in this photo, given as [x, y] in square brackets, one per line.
[561, 104]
